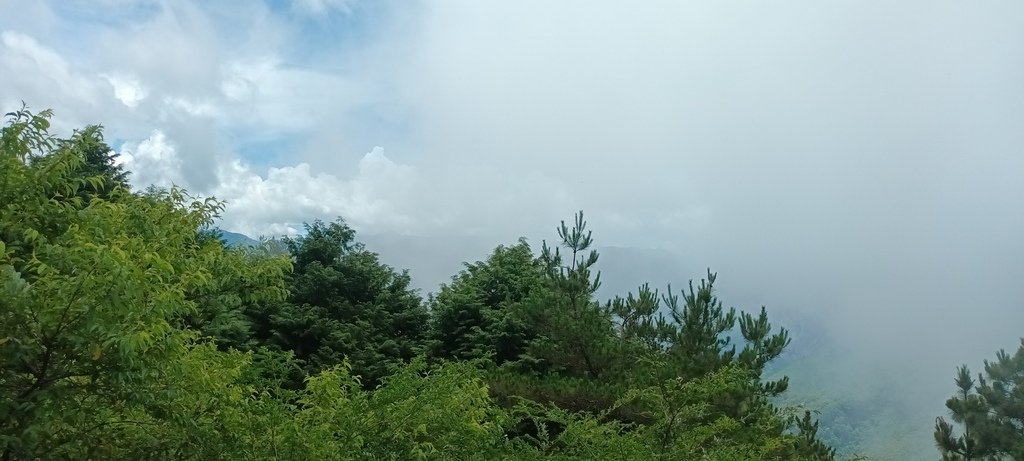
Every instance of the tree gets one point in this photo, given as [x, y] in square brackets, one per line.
[990, 410]
[574, 331]
[99, 161]
[241, 279]
[689, 375]
[96, 172]
[477, 315]
[91, 291]
[572, 359]
[677, 379]
[343, 304]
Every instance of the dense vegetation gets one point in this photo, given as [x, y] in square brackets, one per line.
[129, 329]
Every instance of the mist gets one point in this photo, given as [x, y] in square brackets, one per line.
[852, 165]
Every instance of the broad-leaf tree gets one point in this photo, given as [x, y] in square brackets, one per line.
[92, 288]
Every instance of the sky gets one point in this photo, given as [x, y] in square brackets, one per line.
[856, 160]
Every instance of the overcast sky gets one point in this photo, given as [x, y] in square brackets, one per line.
[861, 160]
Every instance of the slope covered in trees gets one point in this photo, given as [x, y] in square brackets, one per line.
[128, 330]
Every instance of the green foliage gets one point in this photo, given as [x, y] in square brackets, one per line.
[242, 278]
[988, 409]
[98, 163]
[574, 333]
[807, 442]
[93, 289]
[698, 331]
[626, 362]
[343, 304]
[478, 315]
[416, 414]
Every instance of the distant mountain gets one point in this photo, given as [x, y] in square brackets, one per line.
[235, 239]
[430, 260]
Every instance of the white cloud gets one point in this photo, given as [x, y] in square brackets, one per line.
[153, 160]
[49, 63]
[241, 79]
[263, 94]
[376, 195]
[34, 70]
[175, 50]
[127, 89]
[195, 108]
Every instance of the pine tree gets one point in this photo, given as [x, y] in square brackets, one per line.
[574, 331]
[807, 443]
[698, 334]
[988, 409]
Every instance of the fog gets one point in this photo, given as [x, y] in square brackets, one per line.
[852, 165]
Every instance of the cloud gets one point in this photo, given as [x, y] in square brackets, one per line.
[278, 202]
[374, 196]
[265, 95]
[194, 108]
[152, 161]
[127, 89]
[50, 64]
[39, 75]
[321, 7]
